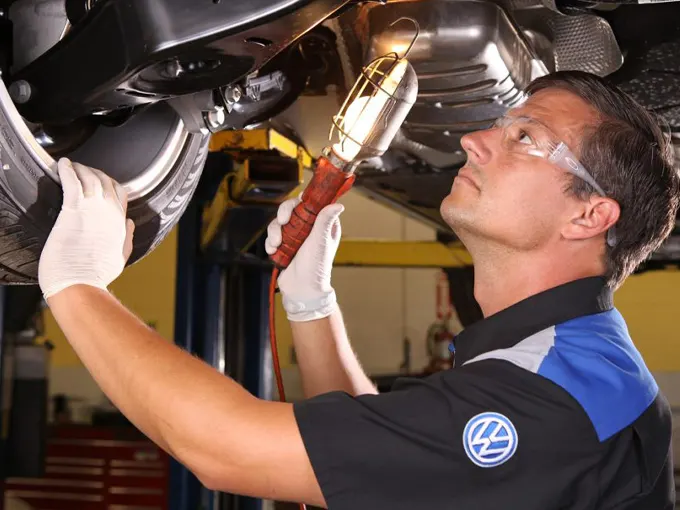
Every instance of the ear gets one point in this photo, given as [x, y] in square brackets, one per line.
[592, 218]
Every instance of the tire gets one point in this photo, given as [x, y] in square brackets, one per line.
[30, 200]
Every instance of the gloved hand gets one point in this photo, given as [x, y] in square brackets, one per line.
[305, 284]
[91, 240]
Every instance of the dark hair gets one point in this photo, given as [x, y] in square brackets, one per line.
[632, 160]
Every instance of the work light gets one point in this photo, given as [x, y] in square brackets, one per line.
[368, 120]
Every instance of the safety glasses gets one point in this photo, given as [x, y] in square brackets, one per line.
[524, 135]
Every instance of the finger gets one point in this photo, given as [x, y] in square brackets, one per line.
[129, 239]
[108, 187]
[271, 250]
[111, 188]
[122, 195]
[274, 236]
[92, 186]
[328, 216]
[70, 183]
[336, 230]
[286, 210]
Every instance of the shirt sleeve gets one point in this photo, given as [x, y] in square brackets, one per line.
[481, 436]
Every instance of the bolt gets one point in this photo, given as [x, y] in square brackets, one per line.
[20, 91]
[216, 118]
[232, 94]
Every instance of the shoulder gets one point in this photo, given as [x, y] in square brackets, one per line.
[594, 360]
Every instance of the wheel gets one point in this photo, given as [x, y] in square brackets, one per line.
[151, 154]
[30, 195]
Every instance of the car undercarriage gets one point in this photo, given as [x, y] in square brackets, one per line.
[127, 85]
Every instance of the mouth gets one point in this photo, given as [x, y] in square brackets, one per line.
[465, 175]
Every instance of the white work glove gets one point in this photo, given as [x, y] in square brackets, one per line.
[305, 284]
[91, 240]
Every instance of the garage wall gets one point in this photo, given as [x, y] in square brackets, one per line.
[383, 306]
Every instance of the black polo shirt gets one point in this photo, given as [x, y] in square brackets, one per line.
[550, 406]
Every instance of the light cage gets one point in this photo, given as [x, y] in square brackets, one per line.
[375, 108]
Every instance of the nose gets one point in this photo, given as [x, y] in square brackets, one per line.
[476, 147]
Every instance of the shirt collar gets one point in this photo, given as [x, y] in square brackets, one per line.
[506, 328]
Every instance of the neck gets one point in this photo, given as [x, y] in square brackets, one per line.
[504, 278]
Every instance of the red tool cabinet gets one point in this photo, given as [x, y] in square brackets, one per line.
[97, 468]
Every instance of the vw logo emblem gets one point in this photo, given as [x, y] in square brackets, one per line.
[490, 439]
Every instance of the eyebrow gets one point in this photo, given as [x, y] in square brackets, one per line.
[532, 120]
[554, 138]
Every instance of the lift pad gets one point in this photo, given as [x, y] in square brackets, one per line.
[268, 139]
[268, 168]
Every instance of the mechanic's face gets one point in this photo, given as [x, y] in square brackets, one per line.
[517, 200]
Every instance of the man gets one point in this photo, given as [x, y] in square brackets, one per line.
[550, 405]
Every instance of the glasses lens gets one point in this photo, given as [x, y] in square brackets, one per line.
[521, 135]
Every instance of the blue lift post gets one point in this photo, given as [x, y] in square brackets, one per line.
[221, 316]
[184, 487]
[258, 368]
[236, 310]
[236, 339]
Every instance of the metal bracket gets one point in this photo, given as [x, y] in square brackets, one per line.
[192, 108]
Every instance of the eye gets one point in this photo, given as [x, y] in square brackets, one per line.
[523, 137]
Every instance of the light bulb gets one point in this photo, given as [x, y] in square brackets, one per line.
[358, 124]
[364, 113]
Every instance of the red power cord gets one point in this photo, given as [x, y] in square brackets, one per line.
[272, 334]
[327, 185]
[272, 340]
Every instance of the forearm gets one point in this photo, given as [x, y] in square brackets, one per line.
[192, 411]
[326, 359]
[232, 441]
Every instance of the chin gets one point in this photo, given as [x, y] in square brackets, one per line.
[471, 228]
[446, 209]
[456, 216]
